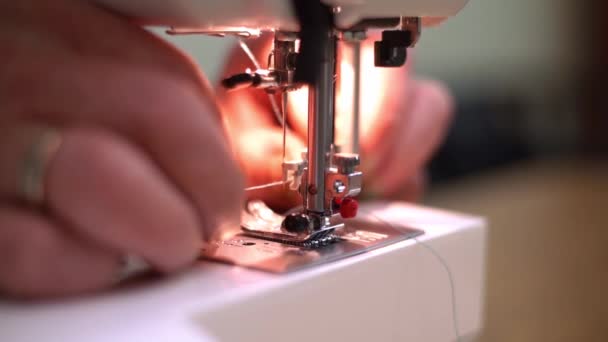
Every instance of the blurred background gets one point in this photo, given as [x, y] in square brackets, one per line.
[528, 149]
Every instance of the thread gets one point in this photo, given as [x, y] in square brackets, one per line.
[444, 265]
[275, 109]
[279, 113]
[249, 53]
[264, 186]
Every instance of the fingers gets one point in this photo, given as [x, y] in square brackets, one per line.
[40, 258]
[43, 34]
[110, 192]
[150, 170]
[413, 138]
[131, 84]
[411, 189]
[173, 123]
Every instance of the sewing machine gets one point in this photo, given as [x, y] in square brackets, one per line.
[317, 271]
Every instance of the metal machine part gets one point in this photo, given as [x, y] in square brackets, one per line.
[259, 221]
[306, 34]
[391, 51]
[283, 58]
[320, 131]
[323, 178]
[279, 76]
[314, 177]
[268, 253]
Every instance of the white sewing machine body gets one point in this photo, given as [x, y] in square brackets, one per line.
[271, 14]
[397, 293]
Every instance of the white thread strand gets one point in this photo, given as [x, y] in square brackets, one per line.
[448, 271]
[444, 265]
[249, 53]
[275, 109]
[264, 186]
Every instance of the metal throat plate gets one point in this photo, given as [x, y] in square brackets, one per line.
[358, 236]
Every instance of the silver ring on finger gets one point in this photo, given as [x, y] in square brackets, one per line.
[35, 166]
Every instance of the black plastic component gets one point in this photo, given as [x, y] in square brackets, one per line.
[316, 21]
[391, 51]
[239, 81]
[297, 223]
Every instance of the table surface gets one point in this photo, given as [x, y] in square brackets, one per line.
[547, 261]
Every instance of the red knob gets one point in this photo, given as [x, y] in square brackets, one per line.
[349, 207]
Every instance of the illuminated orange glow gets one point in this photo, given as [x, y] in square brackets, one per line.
[376, 84]
[298, 108]
[257, 151]
[344, 101]
[374, 88]
[260, 153]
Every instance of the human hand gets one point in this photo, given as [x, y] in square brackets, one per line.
[402, 122]
[142, 168]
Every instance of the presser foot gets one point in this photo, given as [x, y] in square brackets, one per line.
[316, 242]
[263, 246]
[296, 228]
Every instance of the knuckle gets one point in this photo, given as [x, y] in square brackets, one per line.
[439, 94]
[92, 144]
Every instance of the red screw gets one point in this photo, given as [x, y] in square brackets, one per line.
[349, 207]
